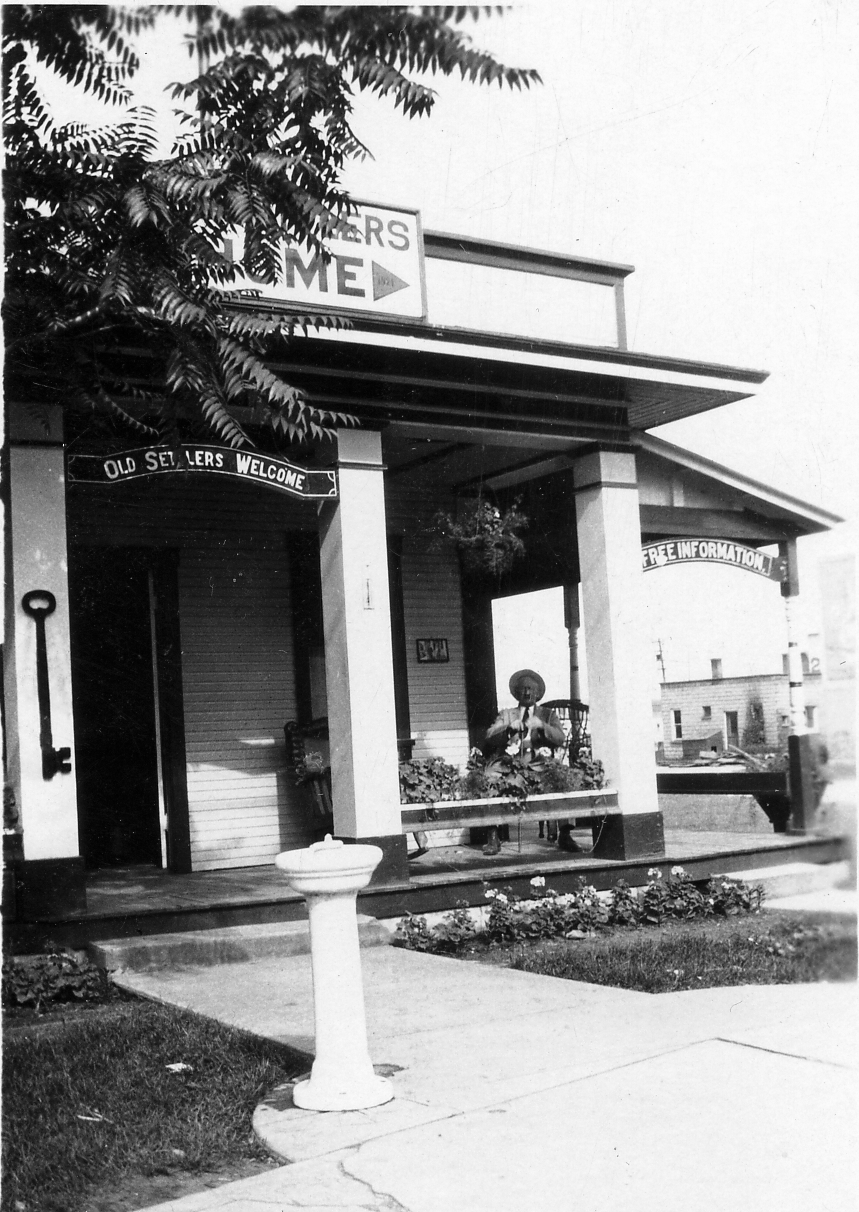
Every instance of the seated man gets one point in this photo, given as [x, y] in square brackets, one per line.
[523, 730]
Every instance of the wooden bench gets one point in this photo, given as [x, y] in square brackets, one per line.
[769, 787]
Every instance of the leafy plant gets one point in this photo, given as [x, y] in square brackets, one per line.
[547, 915]
[590, 770]
[43, 980]
[426, 780]
[623, 905]
[487, 540]
[726, 897]
[112, 247]
[415, 934]
[504, 774]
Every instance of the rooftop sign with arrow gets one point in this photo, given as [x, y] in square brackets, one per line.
[378, 268]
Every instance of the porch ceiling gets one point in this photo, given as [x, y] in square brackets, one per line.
[422, 461]
[403, 372]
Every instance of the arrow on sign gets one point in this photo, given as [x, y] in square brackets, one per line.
[385, 283]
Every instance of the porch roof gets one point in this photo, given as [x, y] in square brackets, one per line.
[423, 374]
[749, 509]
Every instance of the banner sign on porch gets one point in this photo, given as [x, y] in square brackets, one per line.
[378, 268]
[711, 551]
[212, 460]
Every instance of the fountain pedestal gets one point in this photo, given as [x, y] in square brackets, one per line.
[329, 875]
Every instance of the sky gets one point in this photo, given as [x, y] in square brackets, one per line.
[712, 146]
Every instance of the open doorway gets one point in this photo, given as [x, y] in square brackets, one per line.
[120, 806]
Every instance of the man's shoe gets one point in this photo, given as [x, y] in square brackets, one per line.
[493, 845]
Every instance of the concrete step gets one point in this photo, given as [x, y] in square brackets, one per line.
[229, 945]
[795, 879]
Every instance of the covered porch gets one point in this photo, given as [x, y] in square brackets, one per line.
[251, 606]
[127, 902]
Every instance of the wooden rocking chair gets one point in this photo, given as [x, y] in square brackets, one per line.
[318, 784]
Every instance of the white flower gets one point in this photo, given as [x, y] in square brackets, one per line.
[654, 873]
[678, 871]
[491, 894]
[501, 898]
[539, 881]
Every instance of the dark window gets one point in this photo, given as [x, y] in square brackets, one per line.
[707, 713]
[678, 725]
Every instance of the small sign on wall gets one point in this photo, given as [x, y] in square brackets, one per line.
[432, 651]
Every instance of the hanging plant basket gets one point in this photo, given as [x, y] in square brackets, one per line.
[487, 540]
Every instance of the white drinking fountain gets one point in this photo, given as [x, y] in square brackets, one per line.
[329, 875]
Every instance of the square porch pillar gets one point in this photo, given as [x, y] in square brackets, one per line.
[619, 691]
[362, 724]
[48, 872]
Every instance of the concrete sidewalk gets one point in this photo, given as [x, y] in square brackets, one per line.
[516, 1092]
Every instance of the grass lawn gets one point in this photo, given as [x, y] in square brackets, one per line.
[96, 1121]
[755, 949]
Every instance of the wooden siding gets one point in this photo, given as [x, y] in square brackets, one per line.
[239, 687]
[432, 605]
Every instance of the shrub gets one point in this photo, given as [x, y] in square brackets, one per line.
[547, 915]
[623, 906]
[453, 932]
[727, 897]
[41, 980]
[425, 780]
[505, 775]
[414, 934]
[677, 897]
[455, 929]
[502, 775]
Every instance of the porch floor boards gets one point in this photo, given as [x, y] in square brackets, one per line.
[112, 892]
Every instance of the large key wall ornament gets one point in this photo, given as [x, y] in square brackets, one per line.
[39, 604]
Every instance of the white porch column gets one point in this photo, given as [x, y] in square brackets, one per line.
[609, 542]
[51, 873]
[358, 656]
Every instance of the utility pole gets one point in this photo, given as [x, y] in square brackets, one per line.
[660, 658]
[800, 757]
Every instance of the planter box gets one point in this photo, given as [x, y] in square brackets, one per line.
[551, 806]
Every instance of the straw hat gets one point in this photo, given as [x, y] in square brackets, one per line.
[526, 673]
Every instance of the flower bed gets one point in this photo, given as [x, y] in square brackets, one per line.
[584, 912]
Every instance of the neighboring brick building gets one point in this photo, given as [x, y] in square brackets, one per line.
[740, 711]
